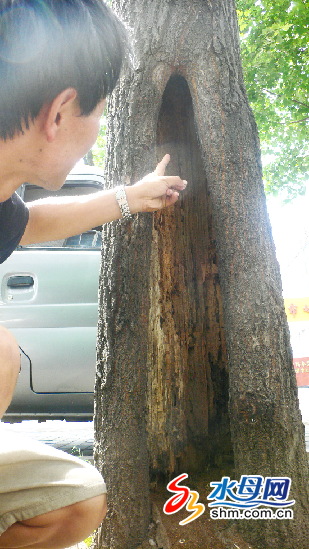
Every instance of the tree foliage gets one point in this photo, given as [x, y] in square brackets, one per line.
[99, 149]
[274, 46]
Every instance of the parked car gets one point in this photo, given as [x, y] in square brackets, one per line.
[49, 301]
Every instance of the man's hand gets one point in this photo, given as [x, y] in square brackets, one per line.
[58, 218]
[156, 190]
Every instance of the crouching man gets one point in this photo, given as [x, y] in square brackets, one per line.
[59, 60]
[48, 499]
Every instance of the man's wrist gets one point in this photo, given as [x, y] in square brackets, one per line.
[121, 197]
[133, 198]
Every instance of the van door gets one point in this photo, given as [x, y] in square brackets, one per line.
[49, 300]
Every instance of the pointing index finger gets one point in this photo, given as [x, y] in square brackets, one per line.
[161, 166]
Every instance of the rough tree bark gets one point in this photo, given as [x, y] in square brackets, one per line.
[191, 309]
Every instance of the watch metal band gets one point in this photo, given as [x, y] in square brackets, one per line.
[121, 198]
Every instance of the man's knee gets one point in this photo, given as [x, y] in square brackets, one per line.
[57, 529]
[9, 350]
[71, 524]
[9, 367]
[89, 511]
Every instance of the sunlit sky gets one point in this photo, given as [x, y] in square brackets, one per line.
[290, 226]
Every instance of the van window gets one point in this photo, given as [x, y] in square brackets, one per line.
[88, 240]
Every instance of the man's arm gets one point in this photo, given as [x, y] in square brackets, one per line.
[58, 218]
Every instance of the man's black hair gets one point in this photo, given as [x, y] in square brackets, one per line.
[47, 46]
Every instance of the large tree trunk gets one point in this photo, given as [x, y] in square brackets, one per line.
[183, 289]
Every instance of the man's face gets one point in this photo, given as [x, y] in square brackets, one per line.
[75, 139]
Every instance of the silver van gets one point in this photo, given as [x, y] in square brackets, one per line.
[49, 301]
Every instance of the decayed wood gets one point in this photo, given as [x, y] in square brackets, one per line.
[182, 290]
[187, 364]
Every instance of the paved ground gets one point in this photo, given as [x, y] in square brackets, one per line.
[77, 437]
[73, 437]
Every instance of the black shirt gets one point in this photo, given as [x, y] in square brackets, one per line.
[14, 216]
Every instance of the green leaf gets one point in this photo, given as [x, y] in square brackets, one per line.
[274, 49]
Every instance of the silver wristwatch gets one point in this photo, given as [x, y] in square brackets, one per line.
[121, 198]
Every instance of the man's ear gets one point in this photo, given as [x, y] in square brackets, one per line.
[56, 112]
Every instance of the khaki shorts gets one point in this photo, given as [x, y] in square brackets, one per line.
[36, 478]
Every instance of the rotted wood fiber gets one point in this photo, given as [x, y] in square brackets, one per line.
[187, 364]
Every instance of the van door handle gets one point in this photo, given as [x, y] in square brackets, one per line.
[20, 281]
